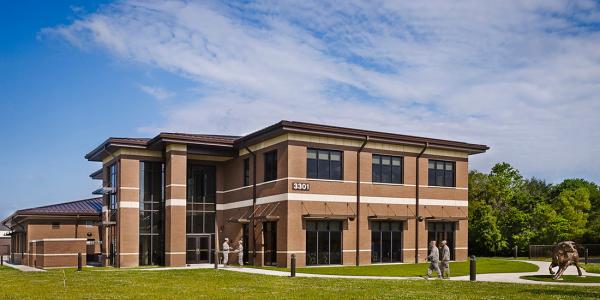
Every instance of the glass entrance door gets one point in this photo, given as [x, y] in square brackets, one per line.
[198, 249]
[439, 231]
[270, 238]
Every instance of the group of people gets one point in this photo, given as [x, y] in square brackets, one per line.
[227, 249]
[434, 261]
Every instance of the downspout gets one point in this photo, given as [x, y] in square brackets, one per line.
[418, 217]
[358, 199]
[253, 204]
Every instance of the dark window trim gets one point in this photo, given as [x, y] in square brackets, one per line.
[246, 172]
[329, 161]
[391, 166]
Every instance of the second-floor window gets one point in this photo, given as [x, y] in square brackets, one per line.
[271, 165]
[246, 171]
[112, 196]
[387, 169]
[324, 164]
[441, 173]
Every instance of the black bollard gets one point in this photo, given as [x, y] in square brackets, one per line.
[586, 256]
[79, 262]
[473, 270]
[1, 260]
[516, 251]
[293, 266]
[216, 259]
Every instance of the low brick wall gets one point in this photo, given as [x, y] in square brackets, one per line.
[59, 252]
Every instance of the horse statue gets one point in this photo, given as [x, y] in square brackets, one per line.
[564, 254]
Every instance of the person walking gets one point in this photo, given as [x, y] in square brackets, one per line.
[225, 252]
[240, 251]
[434, 261]
[445, 260]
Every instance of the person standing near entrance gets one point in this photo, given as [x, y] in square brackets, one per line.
[225, 252]
[445, 260]
[434, 261]
[240, 251]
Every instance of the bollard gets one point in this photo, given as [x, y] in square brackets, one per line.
[586, 256]
[473, 270]
[516, 251]
[1, 260]
[216, 259]
[293, 266]
[79, 262]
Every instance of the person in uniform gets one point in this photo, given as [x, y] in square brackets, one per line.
[225, 252]
[434, 261]
[445, 260]
[240, 251]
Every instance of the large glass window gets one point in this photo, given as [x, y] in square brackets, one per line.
[246, 172]
[271, 165]
[439, 231]
[270, 241]
[201, 195]
[324, 164]
[112, 196]
[323, 242]
[386, 241]
[387, 169]
[152, 213]
[441, 173]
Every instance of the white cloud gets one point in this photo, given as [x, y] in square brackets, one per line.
[522, 77]
[158, 93]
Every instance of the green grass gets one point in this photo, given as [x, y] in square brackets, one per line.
[484, 266]
[592, 268]
[565, 278]
[211, 284]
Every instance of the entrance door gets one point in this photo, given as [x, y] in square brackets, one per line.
[439, 231]
[270, 237]
[198, 249]
[245, 241]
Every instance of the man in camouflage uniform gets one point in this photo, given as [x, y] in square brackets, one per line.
[434, 261]
[445, 260]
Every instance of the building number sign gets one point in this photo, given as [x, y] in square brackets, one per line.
[299, 186]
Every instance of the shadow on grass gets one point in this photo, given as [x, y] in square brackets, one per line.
[542, 293]
[565, 279]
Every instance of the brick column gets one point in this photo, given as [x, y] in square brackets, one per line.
[129, 215]
[175, 209]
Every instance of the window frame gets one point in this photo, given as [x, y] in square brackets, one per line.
[271, 174]
[329, 176]
[433, 181]
[391, 168]
[246, 172]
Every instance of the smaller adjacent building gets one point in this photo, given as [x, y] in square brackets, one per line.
[53, 235]
[4, 240]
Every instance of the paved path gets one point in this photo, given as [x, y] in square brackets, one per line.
[496, 277]
[23, 268]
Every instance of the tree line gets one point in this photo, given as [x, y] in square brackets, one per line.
[507, 210]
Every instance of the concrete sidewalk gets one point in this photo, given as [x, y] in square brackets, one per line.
[495, 277]
[23, 267]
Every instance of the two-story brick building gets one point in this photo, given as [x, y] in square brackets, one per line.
[328, 194]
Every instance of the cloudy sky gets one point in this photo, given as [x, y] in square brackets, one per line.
[520, 76]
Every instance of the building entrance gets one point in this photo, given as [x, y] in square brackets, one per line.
[198, 249]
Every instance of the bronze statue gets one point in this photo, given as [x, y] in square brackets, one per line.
[563, 255]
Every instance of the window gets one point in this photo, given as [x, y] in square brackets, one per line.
[246, 172]
[323, 242]
[324, 164]
[112, 197]
[201, 195]
[387, 169]
[55, 225]
[386, 241]
[271, 165]
[441, 173]
[270, 245]
[152, 213]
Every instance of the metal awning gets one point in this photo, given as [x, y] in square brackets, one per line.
[390, 218]
[328, 217]
[103, 190]
[240, 220]
[445, 219]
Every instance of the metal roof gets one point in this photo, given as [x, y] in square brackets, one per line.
[92, 206]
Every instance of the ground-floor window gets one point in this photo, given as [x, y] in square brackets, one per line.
[323, 242]
[270, 239]
[439, 231]
[386, 241]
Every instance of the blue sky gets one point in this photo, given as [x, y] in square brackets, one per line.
[523, 78]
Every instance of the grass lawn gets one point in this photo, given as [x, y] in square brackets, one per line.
[211, 284]
[484, 265]
[592, 268]
[566, 278]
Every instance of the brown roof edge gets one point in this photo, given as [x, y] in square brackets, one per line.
[187, 138]
[97, 174]
[115, 141]
[356, 134]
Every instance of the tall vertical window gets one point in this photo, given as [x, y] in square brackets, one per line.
[323, 242]
[152, 213]
[270, 243]
[324, 164]
[387, 169]
[271, 165]
[246, 172]
[112, 196]
[201, 196]
[441, 173]
[386, 241]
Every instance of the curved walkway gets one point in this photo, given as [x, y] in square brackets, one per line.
[494, 277]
